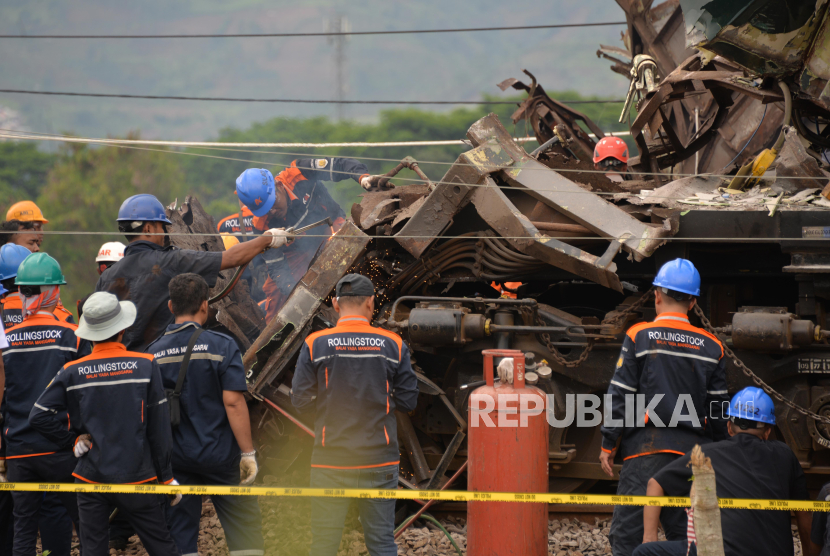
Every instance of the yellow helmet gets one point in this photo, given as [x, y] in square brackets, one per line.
[229, 240]
[25, 211]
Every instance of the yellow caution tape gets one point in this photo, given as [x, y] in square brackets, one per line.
[442, 495]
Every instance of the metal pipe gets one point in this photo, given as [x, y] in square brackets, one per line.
[788, 112]
[519, 302]
[409, 438]
[558, 227]
[426, 506]
[290, 417]
[697, 130]
[506, 251]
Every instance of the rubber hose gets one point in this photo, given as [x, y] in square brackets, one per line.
[788, 113]
[435, 521]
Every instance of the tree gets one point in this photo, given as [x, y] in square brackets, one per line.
[83, 194]
[23, 170]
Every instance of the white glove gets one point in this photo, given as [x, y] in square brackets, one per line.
[248, 468]
[2, 471]
[370, 183]
[279, 237]
[174, 498]
[505, 370]
[82, 445]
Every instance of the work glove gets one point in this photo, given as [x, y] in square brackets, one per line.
[505, 370]
[174, 498]
[82, 445]
[375, 183]
[280, 237]
[248, 468]
[2, 471]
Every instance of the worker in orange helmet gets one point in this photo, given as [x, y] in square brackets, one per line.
[611, 155]
[30, 216]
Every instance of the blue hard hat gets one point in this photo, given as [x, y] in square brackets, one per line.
[752, 404]
[11, 255]
[142, 208]
[255, 188]
[679, 275]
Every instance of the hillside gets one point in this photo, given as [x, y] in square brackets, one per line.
[413, 67]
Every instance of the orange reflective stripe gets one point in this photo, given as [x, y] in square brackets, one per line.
[324, 435]
[632, 332]
[606, 451]
[135, 483]
[386, 434]
[387, 408]
[142, 411]
[654, 452]
[30, 455]
[327, 377]
[356, 466]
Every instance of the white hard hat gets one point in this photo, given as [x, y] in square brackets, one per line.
[110, 252]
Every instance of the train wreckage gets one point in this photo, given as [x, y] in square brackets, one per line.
[726, 176]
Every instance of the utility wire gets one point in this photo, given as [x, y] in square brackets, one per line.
[44, 137]
[284, 100]
[321, 34]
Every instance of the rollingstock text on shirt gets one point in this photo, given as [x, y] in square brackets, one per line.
[35, 336]
[515, 409]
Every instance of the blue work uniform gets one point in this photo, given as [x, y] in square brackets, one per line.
[143, 277]
[357, 376]
[115, 396]
[673, 359]
[205, 451]
[38, 348]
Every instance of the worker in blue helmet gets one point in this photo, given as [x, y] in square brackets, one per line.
[295, 198]
[748, 464]
[150, 263]
[678, 369]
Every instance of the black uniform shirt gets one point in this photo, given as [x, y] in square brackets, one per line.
[143, 276]
[747, 467]
[204, 439]
[820, 533]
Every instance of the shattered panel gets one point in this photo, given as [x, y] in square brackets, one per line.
[565, 196]
[497, 210]
[338, 254]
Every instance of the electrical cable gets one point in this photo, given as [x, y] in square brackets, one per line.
[281, 100]
[118, 143]
[751, 137]
[320, 34]
[419, 181]
[218, 145]
[435, 521]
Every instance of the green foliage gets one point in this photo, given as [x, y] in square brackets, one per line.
[84, 192]
[23, 170]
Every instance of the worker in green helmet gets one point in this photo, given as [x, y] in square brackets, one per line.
[37, 349]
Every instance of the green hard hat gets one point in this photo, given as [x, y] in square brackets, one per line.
[39, 269]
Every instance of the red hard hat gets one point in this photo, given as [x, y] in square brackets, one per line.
[611, 147]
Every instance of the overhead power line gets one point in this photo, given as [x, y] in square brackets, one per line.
[219, 144]
[321, 34]
[284, 100]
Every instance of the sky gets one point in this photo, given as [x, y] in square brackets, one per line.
[461, 66]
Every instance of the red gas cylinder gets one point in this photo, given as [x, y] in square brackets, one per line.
[508, 452]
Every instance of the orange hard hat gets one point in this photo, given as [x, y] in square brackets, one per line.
[25, 211]
[229, 240]
[611, 147]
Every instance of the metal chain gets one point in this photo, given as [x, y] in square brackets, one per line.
[616, 318]
[755, 378]
[558, 357]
